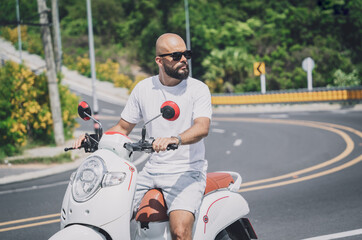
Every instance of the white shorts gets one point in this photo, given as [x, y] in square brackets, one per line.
[182, 191]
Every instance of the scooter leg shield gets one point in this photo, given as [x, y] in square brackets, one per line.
[218, 210]
[76, 232]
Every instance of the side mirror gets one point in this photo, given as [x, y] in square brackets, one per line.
[84, 110]
[170, 110]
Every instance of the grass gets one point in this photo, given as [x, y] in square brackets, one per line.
[61, 158]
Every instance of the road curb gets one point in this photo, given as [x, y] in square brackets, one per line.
[297, 107]
[40, 173]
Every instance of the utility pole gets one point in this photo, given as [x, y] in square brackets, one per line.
[50, 73]
[57, 38]
[188, 42]
[19, 31]
[92, 62]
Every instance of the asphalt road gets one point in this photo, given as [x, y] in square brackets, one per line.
[301, 175]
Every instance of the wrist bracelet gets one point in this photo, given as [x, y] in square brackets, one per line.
[179, 139]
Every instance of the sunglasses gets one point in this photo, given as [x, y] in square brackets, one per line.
[176, 56]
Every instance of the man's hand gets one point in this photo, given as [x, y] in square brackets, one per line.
[160, 144]
[79, 141]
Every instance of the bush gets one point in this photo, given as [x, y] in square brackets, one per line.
[108, 71]
[31, 41]
[25, 109]
[342, 79]
[138, 79]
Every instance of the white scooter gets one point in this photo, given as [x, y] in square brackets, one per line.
[98, 203]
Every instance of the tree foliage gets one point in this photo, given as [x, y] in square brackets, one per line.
[25, 108]
[226, 36]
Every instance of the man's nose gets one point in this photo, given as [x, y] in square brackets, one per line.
[183, 58]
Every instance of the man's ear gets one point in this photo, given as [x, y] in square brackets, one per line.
[158, 60]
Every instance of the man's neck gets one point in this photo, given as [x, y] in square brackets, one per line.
[168, 81]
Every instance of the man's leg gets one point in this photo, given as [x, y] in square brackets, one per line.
[183, 194]
[181, 223]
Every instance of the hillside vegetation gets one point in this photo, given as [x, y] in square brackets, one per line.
[227, 37]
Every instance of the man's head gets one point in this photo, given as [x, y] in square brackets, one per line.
[171, 56]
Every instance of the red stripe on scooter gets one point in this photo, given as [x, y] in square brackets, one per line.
[206, 218]
[132, 170]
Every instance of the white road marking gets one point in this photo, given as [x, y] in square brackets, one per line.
[337, 235]
[340, 111]
[279, 116]
[34, 187]
[214, 123]
[237, 142]
[217, 130]
[274, 116]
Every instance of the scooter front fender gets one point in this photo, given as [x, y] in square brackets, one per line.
[76, 232]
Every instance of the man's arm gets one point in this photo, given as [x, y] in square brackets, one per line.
[195, 133]
[122, 126]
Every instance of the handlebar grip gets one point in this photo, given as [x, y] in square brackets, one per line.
[172, 146]
[72, 148]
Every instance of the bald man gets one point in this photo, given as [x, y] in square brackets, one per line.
[181, 174]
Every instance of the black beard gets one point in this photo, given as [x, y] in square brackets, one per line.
[175, 74]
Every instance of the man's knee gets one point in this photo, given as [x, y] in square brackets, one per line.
[181, 223]
[181, 232]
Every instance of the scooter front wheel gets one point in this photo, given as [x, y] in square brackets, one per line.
[76, 232]
[239, 230]
[223, 235]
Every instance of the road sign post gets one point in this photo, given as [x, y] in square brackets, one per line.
[308, 65]
[262, 83]
[259, 70]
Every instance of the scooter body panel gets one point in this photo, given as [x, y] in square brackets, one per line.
[119, 229]
[154, 231]
[218, 210]
[109, 204]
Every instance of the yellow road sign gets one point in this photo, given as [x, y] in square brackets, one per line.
[259, 68]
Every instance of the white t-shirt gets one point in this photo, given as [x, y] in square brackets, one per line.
[194, 100]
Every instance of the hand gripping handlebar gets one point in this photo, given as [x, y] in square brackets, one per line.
[145, 146]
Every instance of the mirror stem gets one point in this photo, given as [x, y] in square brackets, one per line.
[100, 132]
[144, 127]
[143, 133]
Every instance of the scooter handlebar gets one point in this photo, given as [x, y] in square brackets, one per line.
[146, 147]
[172, 146]
[90, 143]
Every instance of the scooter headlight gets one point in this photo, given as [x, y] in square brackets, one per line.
[88, 179]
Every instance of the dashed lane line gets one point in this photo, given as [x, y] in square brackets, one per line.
[238, 142]
[337, 235]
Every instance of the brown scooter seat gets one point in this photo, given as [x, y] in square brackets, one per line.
[153, 207]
